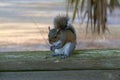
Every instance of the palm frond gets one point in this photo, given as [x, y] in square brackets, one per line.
[75, 9]
[96, 11]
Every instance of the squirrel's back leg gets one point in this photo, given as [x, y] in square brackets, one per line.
[69, 48]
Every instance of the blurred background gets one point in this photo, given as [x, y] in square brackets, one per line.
[24, 26]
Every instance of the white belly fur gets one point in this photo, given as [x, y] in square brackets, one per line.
[67, 49]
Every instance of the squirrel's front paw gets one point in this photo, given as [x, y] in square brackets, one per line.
[52, 48]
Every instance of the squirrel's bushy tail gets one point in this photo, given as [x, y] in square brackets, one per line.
[63, 23]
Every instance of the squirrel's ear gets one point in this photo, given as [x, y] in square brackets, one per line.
[49, 28]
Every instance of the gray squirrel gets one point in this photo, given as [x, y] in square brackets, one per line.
[62, 37]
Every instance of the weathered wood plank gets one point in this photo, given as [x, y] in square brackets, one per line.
[62, 75]
[62, 65]
[85, 60]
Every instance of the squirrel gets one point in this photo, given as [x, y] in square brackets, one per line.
[62, 37]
